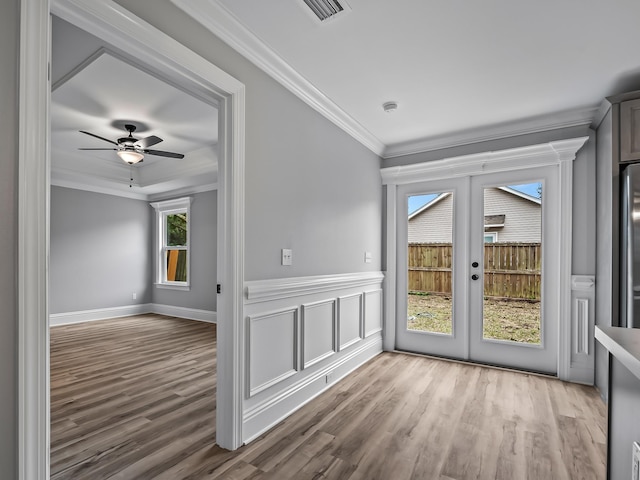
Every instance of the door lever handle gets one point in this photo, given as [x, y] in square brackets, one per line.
[475, 277]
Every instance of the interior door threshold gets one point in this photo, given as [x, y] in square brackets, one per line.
[478, 364]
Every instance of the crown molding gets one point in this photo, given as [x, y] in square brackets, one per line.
[222, 23]
[551, 153]
[80, 183]
[554, 121]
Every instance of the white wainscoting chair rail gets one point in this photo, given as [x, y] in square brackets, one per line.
[264, 290]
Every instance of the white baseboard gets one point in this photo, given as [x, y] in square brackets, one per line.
[267, 414]
[183, 312]
[81, 316]
[98, 314]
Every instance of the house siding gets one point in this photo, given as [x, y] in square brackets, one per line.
[522, 219]
[433, 225]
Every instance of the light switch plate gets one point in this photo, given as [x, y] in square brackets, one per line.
[287, 256]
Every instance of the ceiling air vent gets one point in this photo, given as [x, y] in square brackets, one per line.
[324, 9]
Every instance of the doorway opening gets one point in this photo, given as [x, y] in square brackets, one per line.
[476, 259]
[180, 66]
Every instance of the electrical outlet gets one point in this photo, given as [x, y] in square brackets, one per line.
[287, 256]
[329, 377]
[635, 469]
[367, 257]
[134, 295]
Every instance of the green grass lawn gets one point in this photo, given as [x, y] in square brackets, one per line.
[515, 320]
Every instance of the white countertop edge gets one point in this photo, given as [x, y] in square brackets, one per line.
[622, 343]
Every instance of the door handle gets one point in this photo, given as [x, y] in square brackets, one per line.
[475, 277]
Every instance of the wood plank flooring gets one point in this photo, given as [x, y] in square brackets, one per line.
[134, 398]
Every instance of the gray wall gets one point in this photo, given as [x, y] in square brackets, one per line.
[607, 245]
[624, 420]
[202, 294]
[100, 251]
[9, 36]
[309, 186]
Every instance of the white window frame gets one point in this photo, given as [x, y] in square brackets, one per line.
[163, 209]
[493, 235]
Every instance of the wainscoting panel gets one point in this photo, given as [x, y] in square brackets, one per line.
[582, 366]
[349, 320]
[318, 332]
[372, 312]
[303, 335]
[272, 349]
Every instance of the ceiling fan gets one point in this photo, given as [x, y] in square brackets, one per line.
[132, 150]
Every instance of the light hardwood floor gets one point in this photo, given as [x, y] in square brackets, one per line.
[134, 398]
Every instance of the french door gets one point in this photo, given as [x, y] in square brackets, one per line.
[478, 263]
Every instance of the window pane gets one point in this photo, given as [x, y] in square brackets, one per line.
[430, 262]
[513, 264]
[176, 265]
[176, 229]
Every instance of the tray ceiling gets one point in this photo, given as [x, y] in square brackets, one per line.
[102, 92]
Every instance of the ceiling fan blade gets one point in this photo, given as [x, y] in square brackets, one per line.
[98, 136]
[148, 142]
[98, 149]
[160, 153]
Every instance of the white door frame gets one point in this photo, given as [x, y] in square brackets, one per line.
[561, 153]
[117, 26]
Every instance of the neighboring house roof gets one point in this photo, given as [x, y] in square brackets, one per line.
[440, 197]
[521, 195]
[512, 191]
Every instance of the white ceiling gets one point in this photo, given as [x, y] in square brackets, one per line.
[101, 91]
[460, 70]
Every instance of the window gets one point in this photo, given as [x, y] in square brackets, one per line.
[490, 237]
[172, 256]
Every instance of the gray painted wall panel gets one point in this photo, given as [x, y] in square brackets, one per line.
[100, 251]
[605, 246]
[202, 295]
[9, 38]
[309, 186]
[624, 420]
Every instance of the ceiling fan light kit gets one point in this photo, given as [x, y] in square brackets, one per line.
[132, 150]
[130, 156]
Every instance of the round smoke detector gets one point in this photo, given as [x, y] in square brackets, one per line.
[390, 106]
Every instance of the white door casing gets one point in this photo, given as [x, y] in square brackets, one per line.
[466, 341]
[158, 52]
[560, 153]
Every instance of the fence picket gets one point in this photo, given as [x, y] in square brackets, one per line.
[512, 270]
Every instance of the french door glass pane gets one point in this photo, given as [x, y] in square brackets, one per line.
[512, 263]
[430, 263]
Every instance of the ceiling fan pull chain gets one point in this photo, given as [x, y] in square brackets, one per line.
[130, 176]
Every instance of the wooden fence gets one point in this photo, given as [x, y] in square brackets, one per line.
[511, 270]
